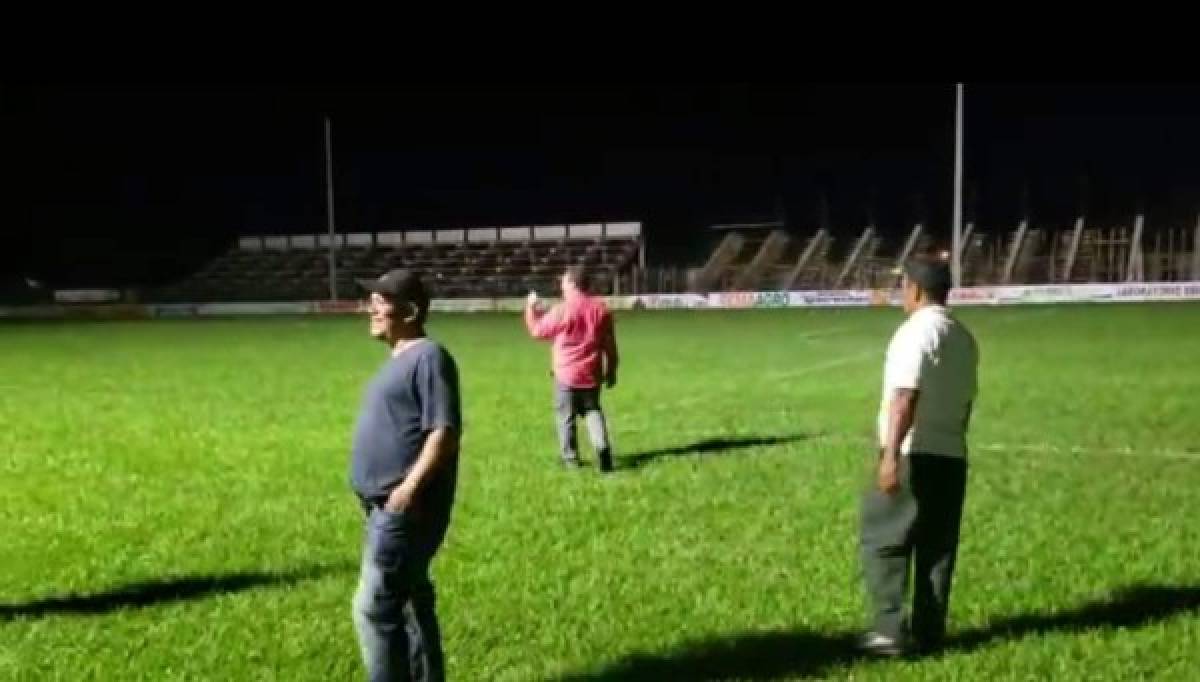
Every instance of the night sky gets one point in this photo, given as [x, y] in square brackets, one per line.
[125, 185]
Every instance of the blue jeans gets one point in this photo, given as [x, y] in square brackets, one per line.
[394, 614]
[570, 403]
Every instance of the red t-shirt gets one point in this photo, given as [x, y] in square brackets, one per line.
[585, 342]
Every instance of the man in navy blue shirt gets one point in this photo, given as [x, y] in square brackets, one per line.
[404, 468]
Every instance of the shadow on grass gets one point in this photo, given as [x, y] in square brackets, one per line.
[776, 654]
[1129, 607]
[152, 592]
[709, 446]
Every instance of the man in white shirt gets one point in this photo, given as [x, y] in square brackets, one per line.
[913, 511]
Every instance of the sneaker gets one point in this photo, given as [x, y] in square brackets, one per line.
[926, 647]
[605, 461]
[880, 645]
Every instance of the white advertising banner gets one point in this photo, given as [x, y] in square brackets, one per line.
[87, 295]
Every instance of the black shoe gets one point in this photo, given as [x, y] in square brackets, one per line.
[605, 462]
[926, 647]
[571, 464]
[880, 645]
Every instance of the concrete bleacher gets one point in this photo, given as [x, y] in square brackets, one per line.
[744, 259]
[474, 263]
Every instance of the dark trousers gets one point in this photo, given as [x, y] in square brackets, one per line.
[570, 403]
[394, 613]
[917, 526]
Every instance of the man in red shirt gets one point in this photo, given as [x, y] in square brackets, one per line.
[585, 354]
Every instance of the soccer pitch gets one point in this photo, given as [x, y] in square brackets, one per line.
[174, 501]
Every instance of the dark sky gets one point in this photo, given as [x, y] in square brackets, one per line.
[147, 180]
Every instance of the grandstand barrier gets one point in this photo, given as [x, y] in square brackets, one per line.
[473, 235]
[1131, 292]
[87, 295]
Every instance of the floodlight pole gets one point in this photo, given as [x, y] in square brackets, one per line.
[333, 292]
[956, 243]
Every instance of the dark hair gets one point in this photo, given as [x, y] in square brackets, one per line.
[422, 306]
[932, 276]
[579, 275]
[938, 295]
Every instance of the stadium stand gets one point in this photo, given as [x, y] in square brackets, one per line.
[478, 262]
[752, 259]
[510, 261]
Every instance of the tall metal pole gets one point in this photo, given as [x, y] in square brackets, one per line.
[333, 292]
[1196, 252]
[956, 244]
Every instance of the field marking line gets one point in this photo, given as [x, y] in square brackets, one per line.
[831, 331]
[828, 364]
[877, 353]
[700, 397]
[867, 443]
[1124, 451]
[1047, 448]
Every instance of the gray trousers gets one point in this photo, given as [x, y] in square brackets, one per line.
[570, 403]
[394, 614]
[917, 526]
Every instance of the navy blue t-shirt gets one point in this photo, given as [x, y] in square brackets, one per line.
[413, 393]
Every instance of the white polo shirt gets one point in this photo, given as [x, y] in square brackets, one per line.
[935, 354]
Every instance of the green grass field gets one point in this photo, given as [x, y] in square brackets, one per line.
[174, 501]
